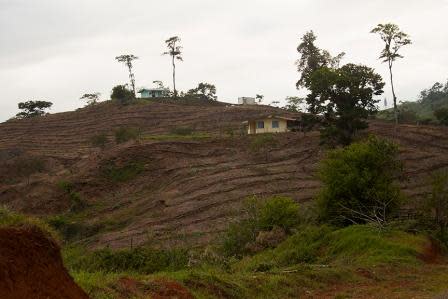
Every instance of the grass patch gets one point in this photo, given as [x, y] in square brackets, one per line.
[141, 260]
[359, 245]
[12, 219]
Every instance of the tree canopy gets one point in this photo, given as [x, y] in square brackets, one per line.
[204, 90]
[33, 108]
[345, 98]
[312, 58]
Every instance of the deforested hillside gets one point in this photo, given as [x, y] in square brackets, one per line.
[66, 135]
[182, 179]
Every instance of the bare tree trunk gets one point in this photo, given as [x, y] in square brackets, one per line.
[393, 94]
[174, 78]
[131, 77]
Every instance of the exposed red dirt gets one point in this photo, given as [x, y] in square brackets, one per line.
[167, 289]
[31, 267]
[432, 253]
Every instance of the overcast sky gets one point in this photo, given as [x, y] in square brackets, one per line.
[57, 50]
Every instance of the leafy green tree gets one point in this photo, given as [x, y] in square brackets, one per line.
[175, 51]
[442, 115]
[345, 99]
[394, 39]
[127, 60]
[259, 97]
[33, 108]
[358, 183]
[293, 104]
[122, 95]
[312, 58]
[204, 90]
[91, 98]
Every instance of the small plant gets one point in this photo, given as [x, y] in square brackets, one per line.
[122, 173]
[77, 204]
[182, 131]
[262, 144]
[99, 140]
[124, 134]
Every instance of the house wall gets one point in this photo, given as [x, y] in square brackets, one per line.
[282, 126]
[144, 94]
[246, 101]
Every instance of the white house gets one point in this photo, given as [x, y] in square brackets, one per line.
[246, 101]
[153, 92]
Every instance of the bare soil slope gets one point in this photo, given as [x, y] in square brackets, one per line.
[182, 190]
[31, 267]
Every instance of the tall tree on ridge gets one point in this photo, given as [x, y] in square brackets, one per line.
[312, 58]
[127, 59]
[175, 51]
[393, 39]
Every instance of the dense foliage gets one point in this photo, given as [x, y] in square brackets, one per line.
[431, 107]
[345, 98]
[359, 183]
[122, 95]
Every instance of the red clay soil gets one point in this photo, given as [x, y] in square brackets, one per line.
[170, 289]
[31, 267]
[432, 253]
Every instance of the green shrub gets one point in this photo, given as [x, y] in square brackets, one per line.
[124, 134]
[182, 131]
[122, 173]
[77, 204]
[237, 236]
[142, 260]
[71, 230]
[259, 215]
[65, 186]
[122, 95]
[99, 140]
[442, 115]
[279, 211]
[359, 183]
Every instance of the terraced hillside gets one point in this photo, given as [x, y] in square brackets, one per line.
[169, 190]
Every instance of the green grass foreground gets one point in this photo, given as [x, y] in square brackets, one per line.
[311, 259]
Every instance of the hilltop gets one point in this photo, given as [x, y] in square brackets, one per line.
[168, 188]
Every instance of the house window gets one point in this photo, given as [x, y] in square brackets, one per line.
[275, 124]
[260, 124]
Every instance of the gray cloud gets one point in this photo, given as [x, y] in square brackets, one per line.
[60, 49]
